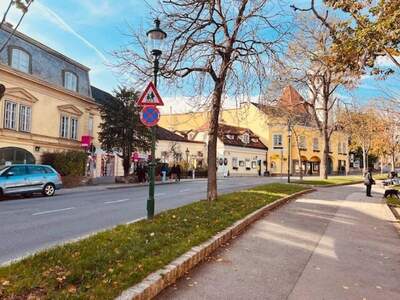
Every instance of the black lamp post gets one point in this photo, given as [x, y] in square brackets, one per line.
[289, 151]
[187, 152]
[156, 37]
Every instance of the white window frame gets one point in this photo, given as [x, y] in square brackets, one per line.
[64, 126]
[73, 128]
[18, 62]
[246, 138]
[274, 140]
[70, 81]
[25, 118]
[10, 115]
[302, 142]
[315, 144]
[91, 125]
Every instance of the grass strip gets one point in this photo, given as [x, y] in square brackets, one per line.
[102, 266]
[393, 201]
[331, 180]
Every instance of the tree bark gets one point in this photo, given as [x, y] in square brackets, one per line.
[212, 142]
[393, 161]
[126, 161]
[365, 159]
[325, 156]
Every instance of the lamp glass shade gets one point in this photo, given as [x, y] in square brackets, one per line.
[156, 38]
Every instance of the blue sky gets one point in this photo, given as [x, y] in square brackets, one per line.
[89, 30]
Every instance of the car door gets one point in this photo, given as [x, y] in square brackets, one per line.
[36, 177]
[15, 180]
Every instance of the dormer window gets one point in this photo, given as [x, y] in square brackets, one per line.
[70, 81]
[246, 138]
[20, 60]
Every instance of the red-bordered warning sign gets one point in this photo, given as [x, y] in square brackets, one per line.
[150, 96]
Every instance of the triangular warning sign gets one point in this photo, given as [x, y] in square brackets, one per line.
[150, 96]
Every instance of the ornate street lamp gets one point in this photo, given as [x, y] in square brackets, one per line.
[187, 152]
[289, 150]
[156, 37]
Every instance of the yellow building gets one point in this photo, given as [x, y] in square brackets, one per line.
[47, 105]
[271, 126]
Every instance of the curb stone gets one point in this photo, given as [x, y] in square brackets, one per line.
[154, 283]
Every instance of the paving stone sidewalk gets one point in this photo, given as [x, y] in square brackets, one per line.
[332, 244]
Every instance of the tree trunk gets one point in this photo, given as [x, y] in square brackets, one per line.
[393, 161]
[126, 160]
[365, 160]
[212, 142]
[300, 164]
[381, 164]
[325, 156]
[126, 163]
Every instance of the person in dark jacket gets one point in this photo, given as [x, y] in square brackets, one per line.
[178, 172]
[369, 181]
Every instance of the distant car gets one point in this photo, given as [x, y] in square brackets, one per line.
[29, 179]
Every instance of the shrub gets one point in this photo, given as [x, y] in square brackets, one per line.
[67, 163]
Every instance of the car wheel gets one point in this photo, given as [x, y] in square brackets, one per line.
[49, 190]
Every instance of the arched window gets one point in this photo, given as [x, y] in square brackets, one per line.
[15, 156]
[70, 81]
[20, 59]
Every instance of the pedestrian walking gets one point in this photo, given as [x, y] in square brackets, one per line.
[178, 172]
[173, 172]
[164, 171]
[369, 181]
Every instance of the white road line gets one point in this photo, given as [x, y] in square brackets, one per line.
[52, 211]
[183, 191]
[159, 194]
[116, 201]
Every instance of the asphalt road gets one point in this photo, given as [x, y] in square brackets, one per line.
[28, 225]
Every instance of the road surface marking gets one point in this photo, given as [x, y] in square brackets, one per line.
[159, 194]
[183, 191]
[116, 201]
[52, 211]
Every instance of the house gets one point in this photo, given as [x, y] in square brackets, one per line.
[239, 151]
[47, 105]
[270, 124]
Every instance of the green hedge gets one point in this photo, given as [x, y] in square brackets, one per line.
[67, 163]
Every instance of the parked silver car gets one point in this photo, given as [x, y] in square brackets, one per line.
[29, 179]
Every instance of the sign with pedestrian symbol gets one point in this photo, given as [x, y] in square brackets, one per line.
[149, 116]
[150, 96]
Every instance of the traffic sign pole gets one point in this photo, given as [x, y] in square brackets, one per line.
[150, 201]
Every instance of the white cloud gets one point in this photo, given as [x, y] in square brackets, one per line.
[386, 62]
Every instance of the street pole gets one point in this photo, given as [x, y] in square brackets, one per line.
[150, 200]
[156, 36]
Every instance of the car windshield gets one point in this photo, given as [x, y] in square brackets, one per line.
[2, 169]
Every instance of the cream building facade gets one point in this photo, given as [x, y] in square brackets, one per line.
[272, 129]
[47, 105]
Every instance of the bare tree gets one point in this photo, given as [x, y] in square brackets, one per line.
[220, 48]
[310, 66]
[23, 6]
